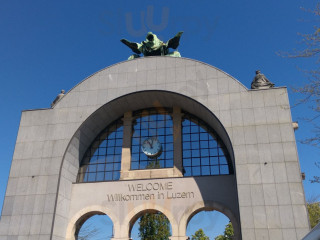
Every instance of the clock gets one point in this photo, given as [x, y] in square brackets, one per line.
[151, 147]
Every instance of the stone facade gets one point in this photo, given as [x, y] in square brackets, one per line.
[265, 197]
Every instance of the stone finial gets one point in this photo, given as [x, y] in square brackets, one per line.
[261, 82]
[57, 99]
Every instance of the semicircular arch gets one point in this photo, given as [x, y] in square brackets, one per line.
[81, 216]
[135, 213]
[208, 206]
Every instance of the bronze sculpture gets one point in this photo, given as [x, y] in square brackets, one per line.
[153, 46]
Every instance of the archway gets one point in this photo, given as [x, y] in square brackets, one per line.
[211, 223]
[209, 206]
[94, 226]
[150, 223]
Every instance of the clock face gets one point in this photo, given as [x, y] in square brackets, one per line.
[151, 147]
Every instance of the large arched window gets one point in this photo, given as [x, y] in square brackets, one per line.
[203, 152]
[102, 161]
[155, 138]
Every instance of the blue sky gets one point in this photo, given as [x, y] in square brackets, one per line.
[46, 46]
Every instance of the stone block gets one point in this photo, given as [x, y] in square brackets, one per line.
[273, 217]
[49, 203]
[35, 224]
[262, 134]
[293, 172]
[235, 101]
[287, 132]
[12, 186]
[284, 115]
[300, 216]
[280, 173]
[289, 234]
[28, 204]
[213, 102]
[275, 234]
[63, 206]
[290, 151]
[265, 153]
[286, 216]
[246, 100]
[242, 174]
[59, 148]
[260, 217]
[250, 135]
[270, 194]
[244, 194]
[18, 205]
[25, 224]
[238, 136]
[52, 184]
[260, 116]
[211, 73]
[47, 149]
[254, 172]
[296, 193]
[235, 86]
[248, 234]
[39, 204]
[267, 174]
[60, 224]
[33, 237]
[248, 117]
[201, 72]
[44, 237]
[28, 150]
[33, 185]
[212, 86]
[224, 102]
[302, 232]
[4, 225]
[282, 97]
[283, 193]
[262, 234]
[269, 98]
[257, 99]
[246, 215]
[276, 152]
[46, 224]
[14, 225]
[42, 184]
[272, 115]
[225, 118]
[257, 195]
[240, 153]
[273, 133]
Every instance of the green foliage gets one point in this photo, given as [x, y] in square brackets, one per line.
[228, 233]
[199, 235]
[154, 226]
[314, 213]
[155, 164]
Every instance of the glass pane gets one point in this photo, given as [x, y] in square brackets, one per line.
[201, 149]
[205, 170]
[100, 176]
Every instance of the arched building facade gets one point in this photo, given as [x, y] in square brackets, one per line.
[157, 134]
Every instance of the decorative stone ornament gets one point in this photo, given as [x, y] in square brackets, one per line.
[57, 99]
[261, 82]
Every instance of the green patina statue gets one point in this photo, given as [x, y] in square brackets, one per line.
[153, 46]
